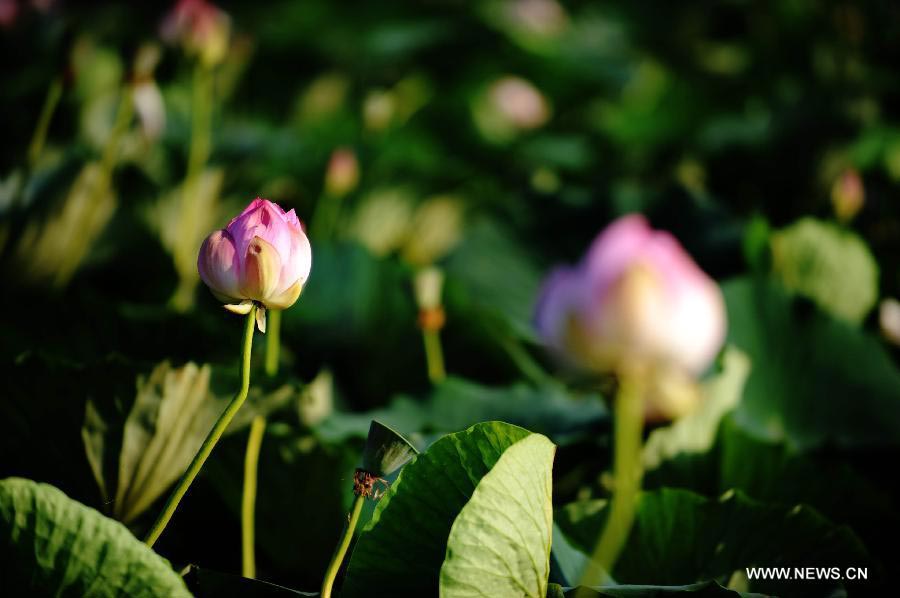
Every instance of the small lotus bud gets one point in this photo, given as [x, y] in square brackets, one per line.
[428, 286]
[636, 297]
[519, 102]
[436, 229]
[847, 195]
[382, 220]
[889, 320]
[379, 109]
[508, 107]
[262, 256]
[342, 175]
[544, 18]
[150, 108]
[9, 10]
[201, 27]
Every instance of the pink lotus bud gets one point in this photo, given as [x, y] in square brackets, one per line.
[636, 296]
[9, 10]
[519, 102]
[262, 256]
[342, 175]
[201, 27]
[848, 195]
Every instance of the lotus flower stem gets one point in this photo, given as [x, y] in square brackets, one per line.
[434, 356]
[248, 502]
[251, 457]
[273, 341]
[54, 94]
[214, 435]
[629, 419]
[341, 551]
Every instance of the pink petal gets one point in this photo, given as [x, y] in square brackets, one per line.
[218, 264]
[296, 268]
[614, 250]
[557, 304]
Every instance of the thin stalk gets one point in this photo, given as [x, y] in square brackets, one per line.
[54, 94]
[341, 551]
[251, 457]
[434, 356]
[248, 502]
[629, 420]
[214, 435]
[522, 360]
[273, 341]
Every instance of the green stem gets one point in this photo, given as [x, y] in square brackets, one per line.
[248, 502]
[273, 341]
[341, 550]
[254, 442]
[434, 356]
[54, 94]
[522, 360]
[214, 435]
[629, 420]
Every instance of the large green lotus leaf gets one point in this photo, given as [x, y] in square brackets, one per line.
[405, 542]
[54, 546]
[682, 537]
[814, 380]
[706, 589]
[773, 473]
[499, 544]
[829, 264]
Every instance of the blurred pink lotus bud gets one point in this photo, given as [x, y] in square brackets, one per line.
[262, 256]
[342, 175]
[889, 319]
[9, 10]
[636, 297]
[847, 195]
[539, 17]
[519, 102]
[201, 27]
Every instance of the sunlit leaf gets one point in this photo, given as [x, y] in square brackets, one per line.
[405, 542]
[499, 544]
[830, 265]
